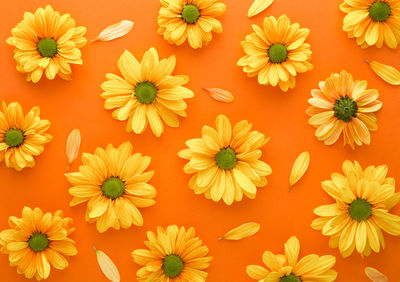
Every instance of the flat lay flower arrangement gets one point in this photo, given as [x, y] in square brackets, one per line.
[202, 140]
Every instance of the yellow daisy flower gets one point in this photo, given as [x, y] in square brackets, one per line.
[364, 199]
[372, 22]
[114, 184]
[37, 240]
[194, 20]
[47, 42]
[343, 105]
[147, 93]
[173, 254]
[276, 52]
[226, 163]
[288, 268]
[21, 137]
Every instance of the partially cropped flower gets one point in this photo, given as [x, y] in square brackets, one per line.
[276, 52]
[225, 162]
[361, 212]
[191, 20]
[37, 240]
[114, 185]
[372, 22]
[344, 106]
[148, 93]
[21, 137]
[47, 42]
[174, 255]
[288, 267]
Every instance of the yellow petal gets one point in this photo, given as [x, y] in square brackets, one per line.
[375, 275]
[387, 73]
[258, 6]
[245, 230]
[299, 167]
[107, 266]
[220, 94]
[73, 144]
[115, 31]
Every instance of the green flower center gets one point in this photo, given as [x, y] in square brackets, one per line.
[145, 92]
[345, 108]
[47, 47]
[190, 14]
[38, 242]
[113, 188]
[14, 137]
[226, 158]
[277, 53]
[360, 209]
[379, 11]
[172, 265]
[290, 278]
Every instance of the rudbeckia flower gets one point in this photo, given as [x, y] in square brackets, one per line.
[47, 42]
[276, 52]
[363, 200]
[37, 240]
[191, 20]
[372, 22]
[147, 93]
[114, 185]
[172, 254]
[344, 105]
[21, 137]
[288, 267]
[225, 162]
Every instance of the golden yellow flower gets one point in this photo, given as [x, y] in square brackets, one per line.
[288, 268]
[21, 137]
[226, 163]
[47, 42]
[372, 22]
[37, 240]
[114, 184]
[364, 199]
[194, 20]
[276, 52]
[342, 105]
[173, 254]
[147, 93]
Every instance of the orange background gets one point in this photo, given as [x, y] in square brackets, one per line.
[281, 116]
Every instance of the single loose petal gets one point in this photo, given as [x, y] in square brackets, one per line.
[115, 31]
[242, 231]
[375, 275]
[107, 266]
[300, 167]
[386, 72]
[258, 6]
[73, 144]
[220, 94]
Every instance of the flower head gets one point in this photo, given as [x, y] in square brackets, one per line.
[343, 105]
[21, 137]
[47, 42]
[147, 93]
[225, 162]
[173, 254]
[372, 22]
[364, 199]
[37, 240]
[288, 268]
[193, 20]
[114, 184]
[276, 52]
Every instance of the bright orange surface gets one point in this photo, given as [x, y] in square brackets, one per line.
[77, 104]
